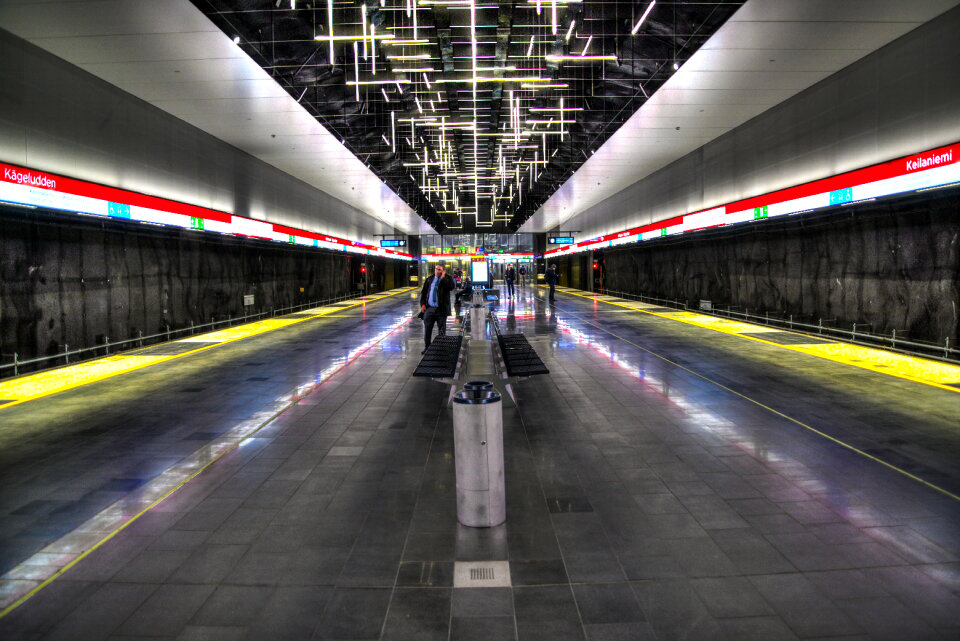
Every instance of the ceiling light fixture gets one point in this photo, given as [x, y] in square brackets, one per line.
[412, 56]
[586, 46]
[555, 58]
[646, 13]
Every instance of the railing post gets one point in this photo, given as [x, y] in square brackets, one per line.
[191, 327]
[893, 342]
[946, 348]
[140, 332]
[66, 353]
[167, 325]
[16, 366]
[106, 343]
[791, 321]
[820, 325]
[853, 335]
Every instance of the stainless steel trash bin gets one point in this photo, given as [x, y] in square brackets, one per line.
[478, 452]
[478, 323]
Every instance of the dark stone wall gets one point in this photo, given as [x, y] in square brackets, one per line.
[894, 265]
[76, 281]
[575, 270]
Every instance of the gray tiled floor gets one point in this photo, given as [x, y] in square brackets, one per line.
[644, 501]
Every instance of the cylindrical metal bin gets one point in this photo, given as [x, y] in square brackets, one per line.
[478, 322]
[478, 452]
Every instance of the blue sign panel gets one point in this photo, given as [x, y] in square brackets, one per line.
[841, 196]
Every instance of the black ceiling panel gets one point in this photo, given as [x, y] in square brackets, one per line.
[396, 84]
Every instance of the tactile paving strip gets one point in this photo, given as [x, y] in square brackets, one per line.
[171, 349]
[659, 310]
[786, 338]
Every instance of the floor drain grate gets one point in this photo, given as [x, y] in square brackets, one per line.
[481, 574]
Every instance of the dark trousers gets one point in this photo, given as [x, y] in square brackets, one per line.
[509, 287]
[432, 316]
[552, 287]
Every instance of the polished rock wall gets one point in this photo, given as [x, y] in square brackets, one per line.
[79, 281]
[883, 266]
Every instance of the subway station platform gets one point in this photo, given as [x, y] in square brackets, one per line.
[676, 476]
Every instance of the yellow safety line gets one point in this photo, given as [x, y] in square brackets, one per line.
[33, 386]
[911, 368]
[109, 536]
[780, 414]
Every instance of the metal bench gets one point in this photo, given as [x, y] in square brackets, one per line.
[443, 358]
[519, 357]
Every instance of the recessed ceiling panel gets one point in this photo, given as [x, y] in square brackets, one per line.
[473, 111]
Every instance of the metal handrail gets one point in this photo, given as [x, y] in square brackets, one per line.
[168, 334]
[855, 335]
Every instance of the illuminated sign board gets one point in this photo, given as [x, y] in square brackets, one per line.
[32, 188]
[925, 170]
[478, 271]
[393, 243]
[560, 240]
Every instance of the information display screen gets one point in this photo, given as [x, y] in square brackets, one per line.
[393, 242]
[478, 271]
[560, 240]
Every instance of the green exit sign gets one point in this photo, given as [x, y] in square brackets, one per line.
[291, 239]
[759, 212]
[196, 223]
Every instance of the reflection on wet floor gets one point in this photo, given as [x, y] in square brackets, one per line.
[664, 481]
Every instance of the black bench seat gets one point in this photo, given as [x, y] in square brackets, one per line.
[519, 357]
[440, 359]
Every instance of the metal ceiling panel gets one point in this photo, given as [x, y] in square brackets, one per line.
[279, 94]
[167, 53]
[769, 51]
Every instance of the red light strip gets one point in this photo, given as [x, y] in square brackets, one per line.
[32, 178]
[914, 163]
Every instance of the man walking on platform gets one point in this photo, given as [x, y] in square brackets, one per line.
[509, 275]
[551, 278]
[435, 304]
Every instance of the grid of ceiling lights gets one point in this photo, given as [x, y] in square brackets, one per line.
[451, 178]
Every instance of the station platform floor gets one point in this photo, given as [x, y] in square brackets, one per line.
[672, 477]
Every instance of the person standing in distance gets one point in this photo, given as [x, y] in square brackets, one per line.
[510, 275]
[523, 275]
[551, 278]
[435, 303]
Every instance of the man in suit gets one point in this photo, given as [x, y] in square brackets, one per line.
[435, 303]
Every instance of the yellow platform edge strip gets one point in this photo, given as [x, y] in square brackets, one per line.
[46, 383]
[911, 368]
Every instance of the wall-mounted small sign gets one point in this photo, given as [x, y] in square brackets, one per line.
[247, 300]
[393, 242]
